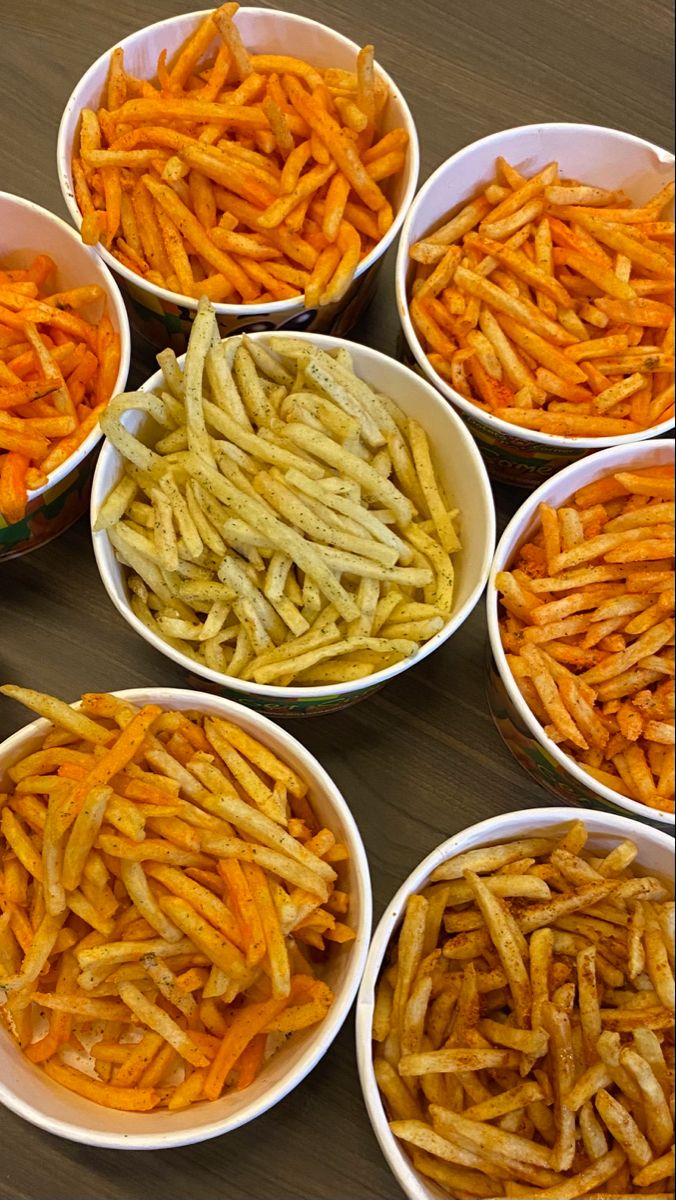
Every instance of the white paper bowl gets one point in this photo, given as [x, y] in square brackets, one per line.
[519, 728]
[164, 317]
[27, 1091]
[27, 230]
[655, 856]
[592, 153]
[462, 474]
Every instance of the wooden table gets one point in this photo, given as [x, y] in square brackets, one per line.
[421, 759]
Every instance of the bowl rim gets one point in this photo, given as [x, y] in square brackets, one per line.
[492, 423]
[413, 1184]
[178, 299]
[524, 516]
[114, 301]
[352, 688]
[329, 1028]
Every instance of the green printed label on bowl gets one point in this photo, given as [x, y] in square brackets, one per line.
[163, 324]
[49, 514]
[312, 706]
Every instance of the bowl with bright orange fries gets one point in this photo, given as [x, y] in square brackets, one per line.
[64, 351]
[535, 289]
[203, 933]
[261, 159]
[580, 606]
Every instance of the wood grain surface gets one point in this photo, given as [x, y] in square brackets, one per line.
[420, 760]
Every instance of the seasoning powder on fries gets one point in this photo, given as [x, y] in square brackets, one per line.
[167, 900]
[287, 525]
[587, 625]
[247, 178]
[549, 303]
[523, 1025]
[57, 372]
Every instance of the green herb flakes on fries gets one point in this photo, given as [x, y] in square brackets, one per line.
[282, 522]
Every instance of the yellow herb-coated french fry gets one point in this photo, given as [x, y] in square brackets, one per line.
[282, 469]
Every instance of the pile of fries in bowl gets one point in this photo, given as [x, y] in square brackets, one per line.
[252, 156]
[580, 611]
[535, 278]
[297, 519]
[186, 908]
[64, 351]
[515, 1020]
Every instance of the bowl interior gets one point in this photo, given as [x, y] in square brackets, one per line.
[524, 523]
[604, 157]
[561, 487]
[263, 31]
[28, 1091]
[461, 473]
[24, 233]
[655, 856]
[590, 153]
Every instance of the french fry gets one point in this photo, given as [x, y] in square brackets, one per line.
[246, 1024]
[127, 1099]
[33, 443]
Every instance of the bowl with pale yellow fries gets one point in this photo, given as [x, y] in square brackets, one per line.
[534, 282]
[293, 519]
[580, 606]
[65, 344]
[255, 157]
[515, 1018]
[186, 914]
